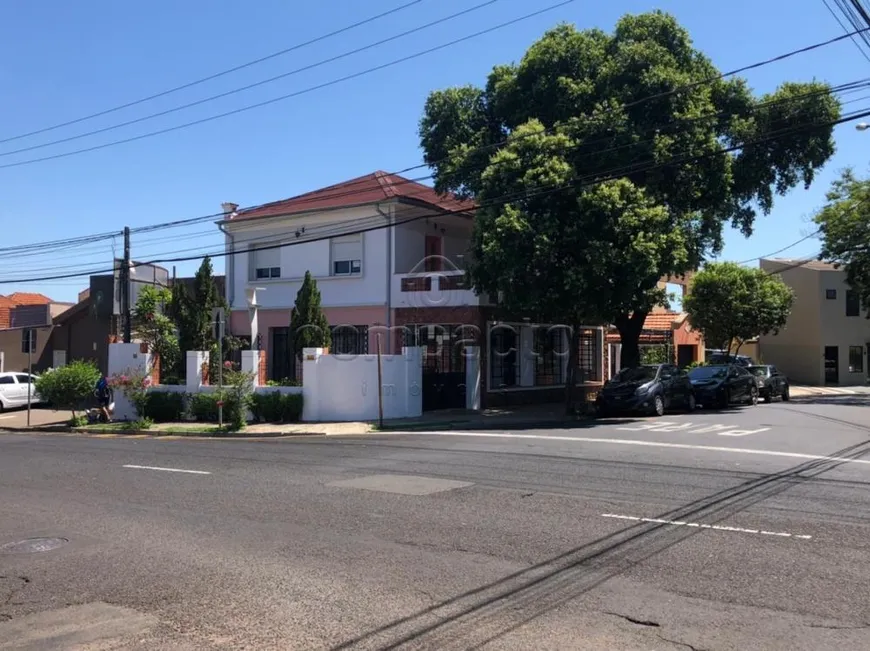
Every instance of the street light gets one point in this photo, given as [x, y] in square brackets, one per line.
[862, 126]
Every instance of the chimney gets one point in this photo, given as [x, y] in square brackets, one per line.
[229, 209]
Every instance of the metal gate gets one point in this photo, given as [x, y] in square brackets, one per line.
[443, 364]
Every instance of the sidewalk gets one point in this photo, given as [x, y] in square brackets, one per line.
[805, 391]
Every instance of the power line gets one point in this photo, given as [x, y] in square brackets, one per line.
[349, 188]
[304, 91]
[593, 179]
[785, 248]
[848, 87]
[223, 73]
[263, 82]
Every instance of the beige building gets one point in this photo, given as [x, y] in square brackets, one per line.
[827, 336]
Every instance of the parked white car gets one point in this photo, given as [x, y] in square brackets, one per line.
[13, 390]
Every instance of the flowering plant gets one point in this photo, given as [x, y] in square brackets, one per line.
[134, 385]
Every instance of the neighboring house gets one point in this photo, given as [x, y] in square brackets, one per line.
[401, 278]
[661, 328]
[14, 344]
[16, 299]
[826, 338]
[84, 331]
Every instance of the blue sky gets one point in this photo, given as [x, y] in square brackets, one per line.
[65, 60]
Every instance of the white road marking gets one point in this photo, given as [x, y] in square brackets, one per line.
[192, 472]
[698, 525]
[665, 426]
[7, 417]
[650, 444]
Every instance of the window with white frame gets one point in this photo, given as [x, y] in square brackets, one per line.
[346, 254]
[266, 263]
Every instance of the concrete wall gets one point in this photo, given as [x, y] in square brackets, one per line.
[339, 388]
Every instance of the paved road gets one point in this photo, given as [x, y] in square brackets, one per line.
[738, 530]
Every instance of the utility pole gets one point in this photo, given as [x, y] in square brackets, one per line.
[31, 342]
[125, 288]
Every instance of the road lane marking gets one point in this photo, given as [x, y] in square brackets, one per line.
[668, 426]
[192, 472]
[698, 525]
[649, 444]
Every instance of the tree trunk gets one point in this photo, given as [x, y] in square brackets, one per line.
[570, 380]
[737, 350]
[630, 328]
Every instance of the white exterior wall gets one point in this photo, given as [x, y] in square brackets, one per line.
[366, 289]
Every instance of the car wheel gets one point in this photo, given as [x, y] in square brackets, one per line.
[785, 394]
[726, 399]
[753, 396]
[691, 404]
[658, 406]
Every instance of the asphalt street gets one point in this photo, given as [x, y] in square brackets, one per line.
[744, 529]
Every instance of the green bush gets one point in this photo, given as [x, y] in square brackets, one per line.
[69, 387]
[689, 367]
[78, 421]
[139, 425]
[204, 407]
[286, 382]
[277, 407]
[164, 407]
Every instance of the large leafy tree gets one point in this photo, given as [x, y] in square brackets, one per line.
[596, 177]
[844, 224]
[730, 304]
[153, 324]
[309, 326]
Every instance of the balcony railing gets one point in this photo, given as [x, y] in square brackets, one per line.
[434, 289]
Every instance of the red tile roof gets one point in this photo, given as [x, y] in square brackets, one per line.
[661, 321]
[29, 298]
[371, 188]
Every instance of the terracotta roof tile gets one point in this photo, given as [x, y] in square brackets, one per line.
[5, 301]
[29, 298]
[661, 321]
[371, 188]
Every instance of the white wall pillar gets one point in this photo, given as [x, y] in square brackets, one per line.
[251, 364]
[311, 390]
[126, 359]
[472, 377]
[194, 361]
[526, 356]
[413, 360]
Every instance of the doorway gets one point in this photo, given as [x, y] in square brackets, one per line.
[832, 364]
[685, 354]
[433, 253]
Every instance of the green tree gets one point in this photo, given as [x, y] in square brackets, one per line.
[730, 304]
[618, 178]
[69, 387]
[153, 325]
[309, 327]
[198, 319]
[844, 224]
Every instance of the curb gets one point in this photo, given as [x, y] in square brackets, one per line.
[472, 425]
[156, 433]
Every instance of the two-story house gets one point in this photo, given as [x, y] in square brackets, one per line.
[388, 256]
[827, 336]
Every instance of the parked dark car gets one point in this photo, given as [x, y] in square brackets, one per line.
[650, 389]
[771, 383]
[721, 358]
[721, 385]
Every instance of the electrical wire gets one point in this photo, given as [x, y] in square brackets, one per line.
[257, 84]
[304, 91]
[504, 199]
[785, 248]
[217, 75]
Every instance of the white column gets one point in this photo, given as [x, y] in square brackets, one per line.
[413, 360]
[310, 385]
[472, 377]
[251, 364]
[526, 356]
[193, 368]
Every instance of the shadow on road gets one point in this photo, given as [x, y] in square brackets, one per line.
[480, 616]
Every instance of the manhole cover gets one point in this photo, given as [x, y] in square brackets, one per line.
[32, 545]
